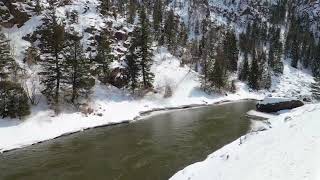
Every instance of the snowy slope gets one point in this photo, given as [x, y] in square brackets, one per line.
[290, 150]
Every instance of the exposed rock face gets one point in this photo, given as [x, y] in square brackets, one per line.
[278, 106]
[121, 36]
[11, 14]
[117, 78]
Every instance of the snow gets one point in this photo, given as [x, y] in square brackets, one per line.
[274, 100]
[253, 113]
[289, 150]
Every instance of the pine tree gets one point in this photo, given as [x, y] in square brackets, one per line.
[183, 35]
[132, 68]
[316, 61]
[52, 56]
[77, 70]
[105, 7]
[7, 63]
[170, 30]
[157, 16]
[13, 99]
[244, 71]
[231, 51]
[217, 73]
[254, 75]
[104, 57]
[315, 88]
[131, 11]
[38, 7]
[295, 52]
[145, 51]
[275, 52]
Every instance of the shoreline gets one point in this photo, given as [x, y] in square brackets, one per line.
[142, 115]
[233, 159]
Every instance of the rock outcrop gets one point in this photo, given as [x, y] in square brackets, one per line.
[274, 106]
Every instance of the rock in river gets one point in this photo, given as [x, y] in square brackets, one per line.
[270, 105]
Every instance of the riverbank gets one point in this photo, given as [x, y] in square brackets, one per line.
[288, 150]
[112, 106]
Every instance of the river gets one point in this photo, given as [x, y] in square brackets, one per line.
[153, 148]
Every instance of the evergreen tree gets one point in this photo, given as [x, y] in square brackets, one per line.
[14, 101]
[316, 61]
[105, 7]
[170, 30]
[7, 63]
[77, 70]
[231, 51]
[145, 51]
[104, 57]
[131, 11]
[295, 52]
[244, 71]
[38, 7]
[157, 16]
[315, 88]
[254, 75]
[183, 35]
[52, 56]
[217, 74]
[276, 52]
[132, 68]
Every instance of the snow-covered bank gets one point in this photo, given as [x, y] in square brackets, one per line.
[289, 150]
[112, 105]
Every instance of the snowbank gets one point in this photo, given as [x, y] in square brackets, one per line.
[253, 113]
[289, 150]
[275, 100]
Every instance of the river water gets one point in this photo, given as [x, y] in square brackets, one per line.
[150, 149]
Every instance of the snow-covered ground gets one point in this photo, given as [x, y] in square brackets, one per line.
[289, 150]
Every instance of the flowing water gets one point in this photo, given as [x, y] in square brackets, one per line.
[150, 149]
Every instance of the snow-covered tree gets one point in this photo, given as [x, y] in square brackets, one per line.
[52, 59]
[77, 76]
[104, 57]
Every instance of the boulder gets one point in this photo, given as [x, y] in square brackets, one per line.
[274, 105]
[121, 36]
[117, 78]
